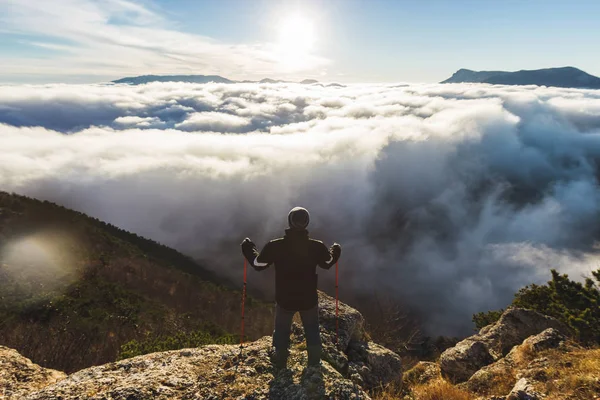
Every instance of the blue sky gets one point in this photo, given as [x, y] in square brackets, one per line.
[350, 40]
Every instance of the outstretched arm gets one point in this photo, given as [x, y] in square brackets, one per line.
[258, 260]
[331, 256]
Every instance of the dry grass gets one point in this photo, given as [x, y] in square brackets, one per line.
[438, 389]
[568, 373]
[523, 354]
[498, 383]
[390, 392]
[421, 373]
[574, 375]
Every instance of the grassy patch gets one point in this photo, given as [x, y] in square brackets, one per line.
[574, 375]
[438, 389]
[210, 334]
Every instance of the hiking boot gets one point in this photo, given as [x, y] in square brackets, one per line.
[314, 356]
[279, 359]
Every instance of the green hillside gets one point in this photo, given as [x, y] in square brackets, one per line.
[74, 290]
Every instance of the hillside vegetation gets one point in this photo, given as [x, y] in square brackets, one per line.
[70, 282]
[575, 304]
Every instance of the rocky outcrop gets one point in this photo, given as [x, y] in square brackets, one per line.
[212, 372]
[350, 368]
[19, 376]
[493, 342]
[520, 362]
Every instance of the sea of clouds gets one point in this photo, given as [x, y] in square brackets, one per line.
[448, 197]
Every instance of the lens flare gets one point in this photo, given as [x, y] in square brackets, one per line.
[40, 262]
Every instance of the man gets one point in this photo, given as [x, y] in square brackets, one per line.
[296, 257]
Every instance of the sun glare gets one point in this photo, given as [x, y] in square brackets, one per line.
[297, 37]
[296, 33]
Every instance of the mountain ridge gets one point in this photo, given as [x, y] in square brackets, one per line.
[69, 281]
[143, 79]
[566, 77]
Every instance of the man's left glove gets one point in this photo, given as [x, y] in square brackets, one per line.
[336, 251]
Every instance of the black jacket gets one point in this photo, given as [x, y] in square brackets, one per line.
[296, 257]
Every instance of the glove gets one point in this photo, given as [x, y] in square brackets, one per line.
[336, 251]
[248, 247]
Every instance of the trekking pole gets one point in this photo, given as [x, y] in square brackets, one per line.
[243, 304]
[337, 310]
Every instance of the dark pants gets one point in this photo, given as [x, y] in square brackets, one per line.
[283, 328]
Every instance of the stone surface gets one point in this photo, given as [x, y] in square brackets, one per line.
[459, 363]
[19, 376]
[516, 325]
[493, 342]
[374, 364]
[350, 324]
[350, 367]
[551, 338]
[523, 390]
[520, 362]
[210, 372]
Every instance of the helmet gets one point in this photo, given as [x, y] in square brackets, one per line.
[298, 218]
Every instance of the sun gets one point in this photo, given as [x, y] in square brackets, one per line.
[296, 40]
[297, 34]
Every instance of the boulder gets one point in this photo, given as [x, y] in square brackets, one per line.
[523, 390]
[371, 365]
[549, 339]
[19, 376]
[350, 323]
[460, 362]
[494, 341]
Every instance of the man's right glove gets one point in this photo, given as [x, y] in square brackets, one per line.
[336, 251]
[248, 249]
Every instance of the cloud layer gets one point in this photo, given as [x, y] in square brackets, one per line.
[449, 197]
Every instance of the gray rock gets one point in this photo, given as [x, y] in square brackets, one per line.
[19, 376]
[523, 390]
[374, 364]
[549, 339]
[350, 325]
[460, 362]
[493, 342]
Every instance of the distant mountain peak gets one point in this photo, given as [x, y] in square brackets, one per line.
[140, 80]
[143, 79]
[568, 77]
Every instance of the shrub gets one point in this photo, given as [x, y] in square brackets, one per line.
[574, 303]
[207, 335]
[484, 319]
